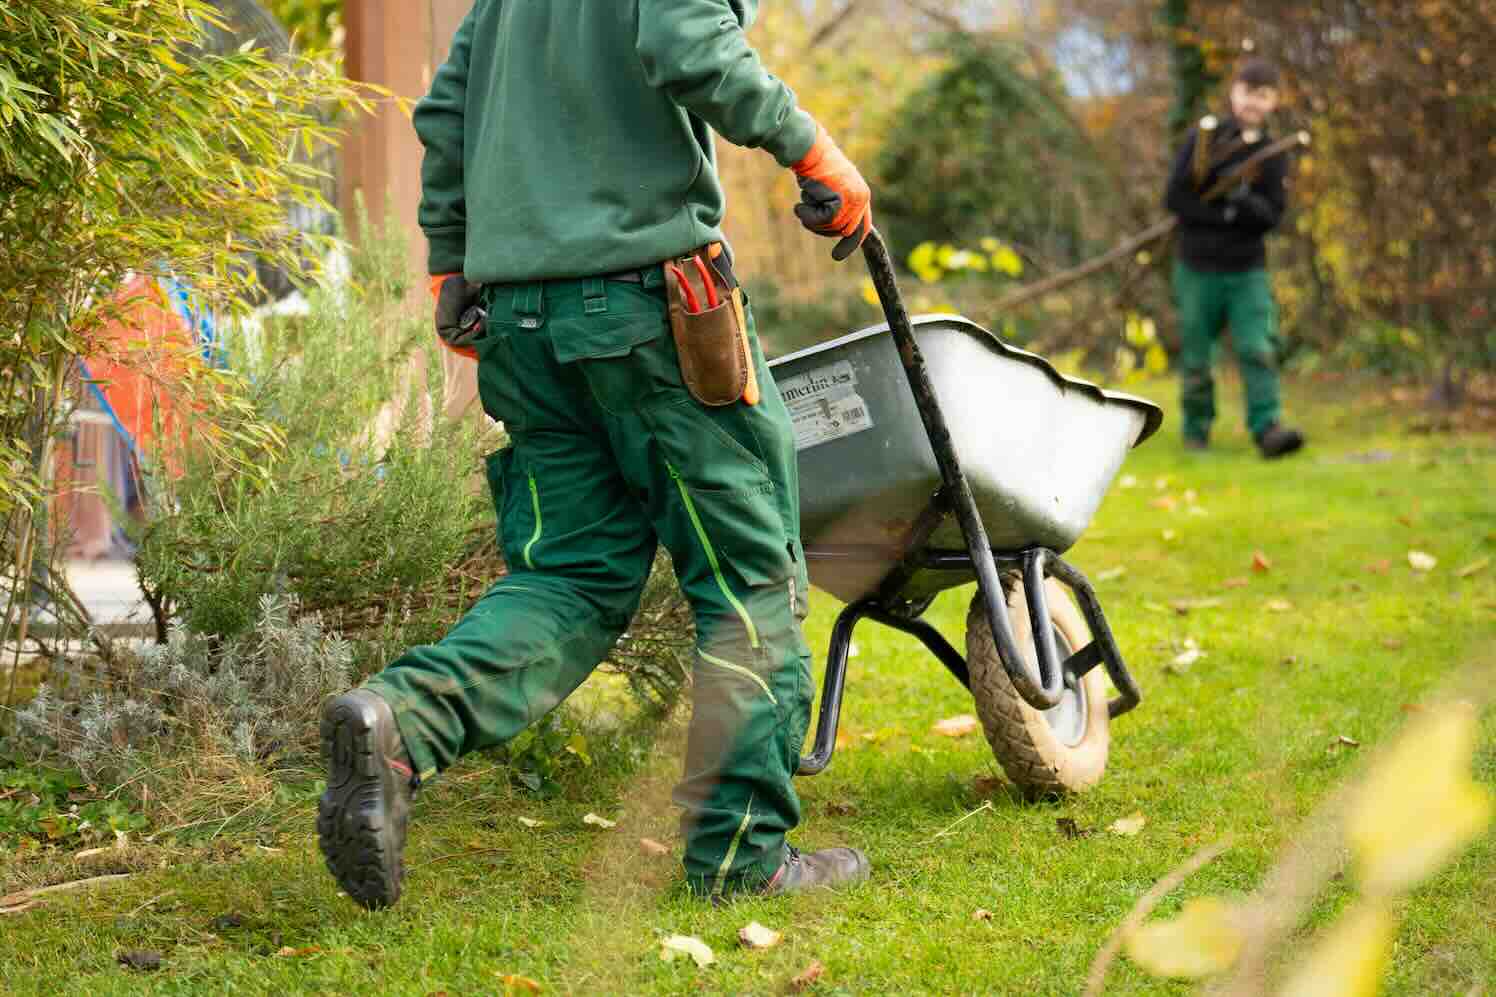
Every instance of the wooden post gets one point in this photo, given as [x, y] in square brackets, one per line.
[399, 45]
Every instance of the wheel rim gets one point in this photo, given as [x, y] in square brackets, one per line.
[1068, 719]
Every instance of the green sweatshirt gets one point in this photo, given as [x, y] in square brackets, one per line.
[567, 138]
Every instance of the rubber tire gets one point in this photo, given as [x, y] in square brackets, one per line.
[1021, 739]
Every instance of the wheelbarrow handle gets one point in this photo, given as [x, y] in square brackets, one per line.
[1043, 690]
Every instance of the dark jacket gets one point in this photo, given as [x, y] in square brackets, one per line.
[1225, 235]
[566, 138]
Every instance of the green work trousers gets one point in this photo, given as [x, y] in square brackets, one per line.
[1207, 302]
[610, 456]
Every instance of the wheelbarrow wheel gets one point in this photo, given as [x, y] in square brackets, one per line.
[1045, 752]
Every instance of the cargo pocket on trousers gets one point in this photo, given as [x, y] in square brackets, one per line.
[739, 530]
[516, 502]
[497, 384]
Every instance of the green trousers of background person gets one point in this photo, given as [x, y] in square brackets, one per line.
[609, 456]
[1207, 303]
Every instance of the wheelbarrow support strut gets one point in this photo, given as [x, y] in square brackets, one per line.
[1043, 690]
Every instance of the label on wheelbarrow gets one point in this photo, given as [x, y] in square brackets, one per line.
[824, 405]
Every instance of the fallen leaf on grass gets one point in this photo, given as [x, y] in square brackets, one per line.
[1279, 606]
[531, 823]
[1421, 561]
[1343, 741]
[808, 976]
[287, 952]
[141, 959]
[756, 936]
[1379, 567]
[1111, 574]
[1167, 503]
[1474, 568]
[1128, 827]
[958, 726]
[676, 946]
[1392, 644]
[650, 846]
[1186, 658]
[1261, 562]
[986, 785]
[981, 914]
[1068, 828]
[1411, 708]
[1183, 606]
[1204, 939]
[512, 983]
[597, 821]
[1236, 583]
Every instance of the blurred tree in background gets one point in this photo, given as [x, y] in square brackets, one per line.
[316, 24]
[1049, 125]
[987, 146]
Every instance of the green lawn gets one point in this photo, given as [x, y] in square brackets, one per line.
[1329, 642]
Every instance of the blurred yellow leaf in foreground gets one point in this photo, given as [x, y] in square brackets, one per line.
[1419, 805]
[1349, 960]
[1204, 939]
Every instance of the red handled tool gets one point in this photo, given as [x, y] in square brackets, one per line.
[693, 303]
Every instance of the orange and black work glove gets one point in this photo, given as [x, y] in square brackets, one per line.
[834, 199]
[459, 316]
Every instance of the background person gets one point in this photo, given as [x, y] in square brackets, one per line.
[1220, 267]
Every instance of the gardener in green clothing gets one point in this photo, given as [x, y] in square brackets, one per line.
[1220, 274]
[569, 191]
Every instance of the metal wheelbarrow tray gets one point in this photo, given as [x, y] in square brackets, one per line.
[931, 454]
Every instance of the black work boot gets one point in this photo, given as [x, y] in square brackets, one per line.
[361, 817]
[829, 868]
[1279, 441]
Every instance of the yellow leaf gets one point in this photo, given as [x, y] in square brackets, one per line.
[1008, 262]
[1349, 960]
[513, 984]
[1204, 939]
[1139, 331]
[756, 936]
[1418, 806]
[923, 257]
[958, 726]
[601, 822]
[1128, 827]
[676, 946]
[1157, 359]
[1420, 561]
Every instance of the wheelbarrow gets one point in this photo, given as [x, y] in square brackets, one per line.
[931, 454]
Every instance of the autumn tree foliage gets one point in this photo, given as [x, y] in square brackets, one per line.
[1397, 201]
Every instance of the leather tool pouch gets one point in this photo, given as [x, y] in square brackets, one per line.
[712, 343]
